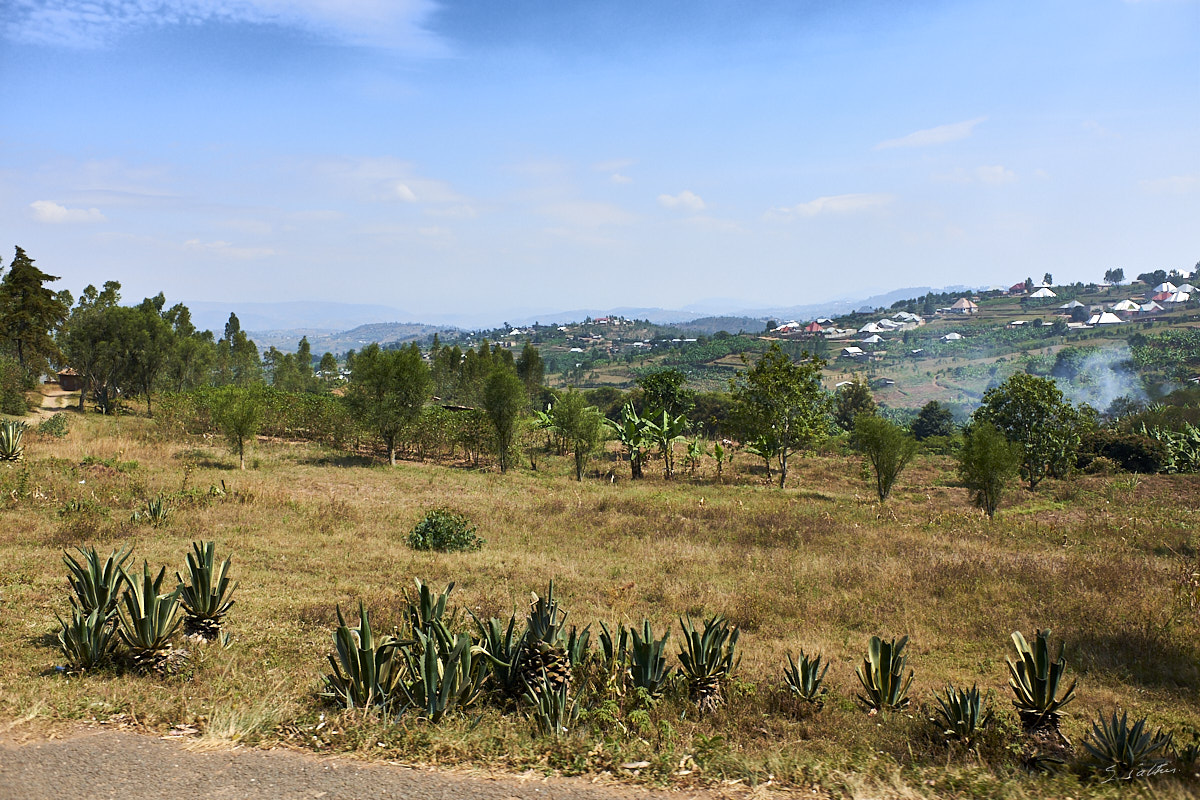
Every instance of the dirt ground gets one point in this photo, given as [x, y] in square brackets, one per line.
[103, 763]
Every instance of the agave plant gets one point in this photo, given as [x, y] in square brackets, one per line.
[366, 670]
[962, 713]
[1035, 680]
[206, 600]
[440, 676]
[87, 639]
[426, 611]
[11, 433]
[501, 646]
[552, 711]
[156, 512]
[96, 586]
[544, 650]
[579, 645]
[647, 656]
[708, 659]
[803, 677]
[149, 619]
[882, 675]
[1120, 749]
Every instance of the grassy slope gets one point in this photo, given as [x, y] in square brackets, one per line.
[817, 567]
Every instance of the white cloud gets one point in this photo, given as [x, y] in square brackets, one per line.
[686, 200]
[617, 177]
[228, 250]
[399, 24]
[48, 211]
[1175, 184]
[942, 134]
[404, 193]
[835, 204]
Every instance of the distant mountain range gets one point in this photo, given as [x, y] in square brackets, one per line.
[338, 327]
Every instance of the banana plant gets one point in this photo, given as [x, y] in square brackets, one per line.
[664, 431]
[96, 586]
[1035, 679]
[696, 450]
[207, 598]
[633, 433]
[882, 675]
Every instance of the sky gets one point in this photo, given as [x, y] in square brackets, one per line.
[497, 158]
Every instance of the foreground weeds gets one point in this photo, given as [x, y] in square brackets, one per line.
[816, 567]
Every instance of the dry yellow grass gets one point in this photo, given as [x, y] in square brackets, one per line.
[818, 566]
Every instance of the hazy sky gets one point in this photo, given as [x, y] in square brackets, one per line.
[472, 155]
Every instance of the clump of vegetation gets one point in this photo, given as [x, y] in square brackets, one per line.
[886, 448]
[986, 464]
[206, 598]
[149, 620]
[445, 530]
[156, 512]
[11, 433]
[1035, 679]
[1121, 750]
[708, 659]
[803, 677]
[962, 713]
[882, 675]
[56, 425]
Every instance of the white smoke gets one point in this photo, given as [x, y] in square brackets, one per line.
[1104, 376]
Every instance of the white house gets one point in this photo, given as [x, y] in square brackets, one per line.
[1071, 305]
[852, 352]
[1166, 286]
[870, 327]
[1178, 297]
[873, 339]
[1104, 318]
[1043, 292]
[952, 337]
[1125, 305]
[1150, 308]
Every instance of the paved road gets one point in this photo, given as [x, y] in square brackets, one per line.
[131, 766]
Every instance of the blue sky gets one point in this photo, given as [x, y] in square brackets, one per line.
[496, 158]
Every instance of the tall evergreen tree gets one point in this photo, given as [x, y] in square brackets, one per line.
[30, 314]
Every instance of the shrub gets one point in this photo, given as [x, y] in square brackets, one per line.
[884, 446]
[444, 530]
[986, 463]
[55, 426]
[13, 383]
[1129, 451]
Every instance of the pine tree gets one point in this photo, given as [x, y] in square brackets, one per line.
[29, 314]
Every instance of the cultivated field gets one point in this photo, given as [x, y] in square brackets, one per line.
[818, 566]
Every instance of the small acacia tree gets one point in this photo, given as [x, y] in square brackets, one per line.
[780, 405]
[986, 463]
[237, 411]
[886, 447]
[504, 399]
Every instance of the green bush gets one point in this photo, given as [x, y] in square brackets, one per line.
[13, 383]
[444, 530]
[55, 426]
[1129, 451]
